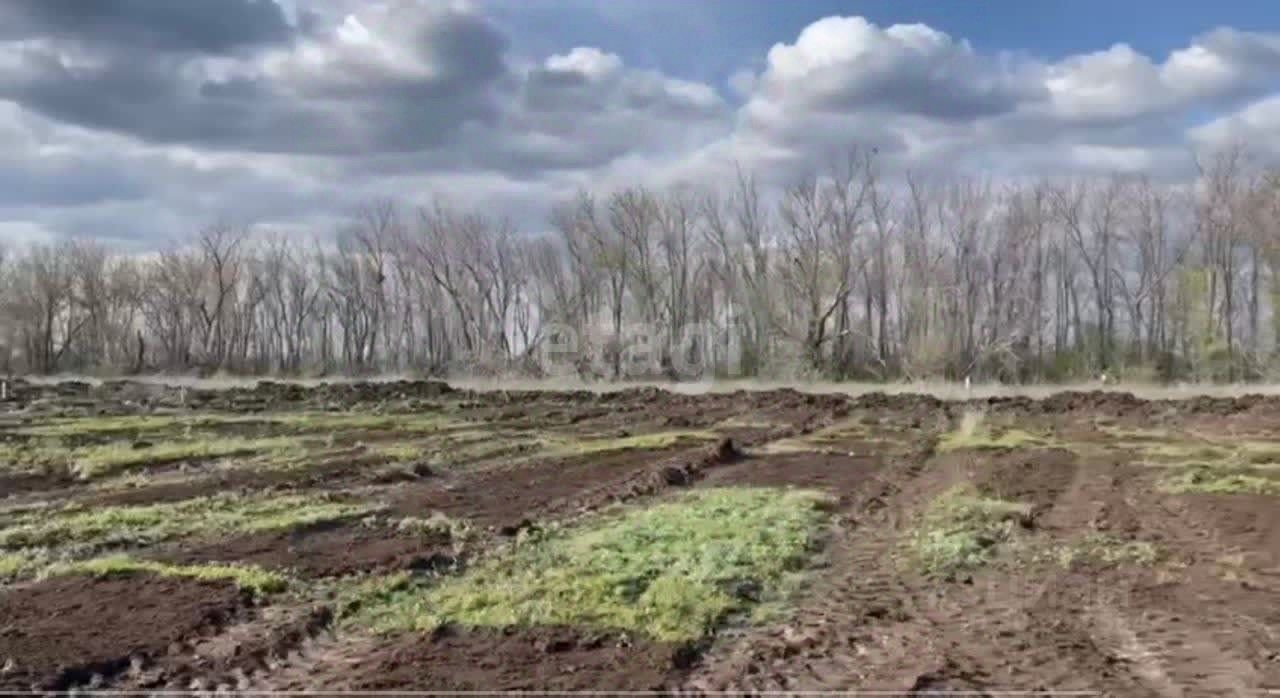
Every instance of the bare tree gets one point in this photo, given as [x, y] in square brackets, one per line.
[1222, 232]
[1090, 213]
[853, 271]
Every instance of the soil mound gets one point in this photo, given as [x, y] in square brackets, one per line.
[61, 632]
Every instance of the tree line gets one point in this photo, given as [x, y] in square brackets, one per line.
[847, 273]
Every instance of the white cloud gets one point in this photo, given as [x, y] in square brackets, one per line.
[1116, 83]
[20, 233]
[591, 63]
[415, 100]
[1257, 125]
[1121, 83]
[847, 63]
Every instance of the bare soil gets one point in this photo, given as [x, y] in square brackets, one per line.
[71, 631]
[511, 497]
[842, 475]
[1200, 619]
[455, 659]
[319, 551]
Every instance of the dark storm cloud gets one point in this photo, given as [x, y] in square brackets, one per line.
[562, 89]
[354, 105]
[66, 182]
[203, 26]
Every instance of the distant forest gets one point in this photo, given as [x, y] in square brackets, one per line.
[854, 272]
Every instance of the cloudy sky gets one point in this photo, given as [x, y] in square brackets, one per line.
[138, 121]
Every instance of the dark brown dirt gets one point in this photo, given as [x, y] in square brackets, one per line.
[874, 624]
[1246, 522]
[505, 498]
[537, 659]
[225, 660]
[1035, 476]
[841, 475]
[319, 551]
[24, 483]
[502, 501]
[646, 410]
[61, 632]
[1210, 622]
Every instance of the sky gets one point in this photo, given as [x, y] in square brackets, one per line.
[139, 122]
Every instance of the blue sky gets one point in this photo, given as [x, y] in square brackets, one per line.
[711, 39]
[137, 121]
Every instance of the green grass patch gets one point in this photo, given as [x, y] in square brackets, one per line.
[115, 525]
[673, 571]
[253, 579]
[1259, 452]
[1100, 548]
[32, 455]
[1233, 454]
[19, 564]
[1218, 480]
[1179, 449]
[134, 425]
[962, 530]
[974, 433]
[474, 446]
[131, 424]
[99, 461]
[1172, 452]
[745, 422]
[417, 423]
[984, 440]
[1134, 435]
[398, 452]
[834, 438]
[372, 593]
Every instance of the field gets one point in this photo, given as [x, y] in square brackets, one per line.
[414, 536]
